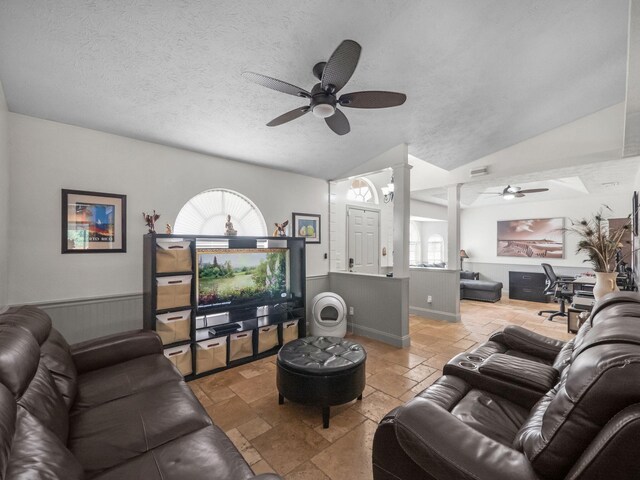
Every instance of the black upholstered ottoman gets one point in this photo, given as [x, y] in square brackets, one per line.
[323, 371]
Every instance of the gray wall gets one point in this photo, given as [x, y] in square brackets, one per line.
[444, 288]
[4, 201]
[381, 305]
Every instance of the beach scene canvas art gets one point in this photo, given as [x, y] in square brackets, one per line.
[539, 237]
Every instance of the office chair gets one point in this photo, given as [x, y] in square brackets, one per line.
[557, 287]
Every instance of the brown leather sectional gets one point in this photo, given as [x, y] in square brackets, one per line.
[110, 408]
[526, 407]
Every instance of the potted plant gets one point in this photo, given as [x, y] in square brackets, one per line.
[601, 244]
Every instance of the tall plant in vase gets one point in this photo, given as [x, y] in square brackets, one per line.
[601, 243]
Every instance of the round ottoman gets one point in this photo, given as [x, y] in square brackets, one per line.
[321, 371]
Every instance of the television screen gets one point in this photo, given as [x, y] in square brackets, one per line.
[230, 277]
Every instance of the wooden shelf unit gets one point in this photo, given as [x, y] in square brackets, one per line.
[250, 317]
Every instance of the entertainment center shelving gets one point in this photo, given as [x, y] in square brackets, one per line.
[171, 303]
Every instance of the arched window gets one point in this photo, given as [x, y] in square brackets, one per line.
[415, 256]
[435, 249]
[206, 214]
[362, 190]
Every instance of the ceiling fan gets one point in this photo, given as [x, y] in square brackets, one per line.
[510, 192]
[323, 102]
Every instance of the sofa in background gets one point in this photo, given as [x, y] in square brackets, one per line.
[582, 424]
[472, 288]
[110, 408]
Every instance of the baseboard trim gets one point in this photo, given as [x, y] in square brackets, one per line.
[385, 337]
[435, 314]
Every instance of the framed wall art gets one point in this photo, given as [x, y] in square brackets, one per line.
[93, 222]
[307, 226]
[535, 237]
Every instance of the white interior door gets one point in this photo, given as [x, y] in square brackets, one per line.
[364, 240]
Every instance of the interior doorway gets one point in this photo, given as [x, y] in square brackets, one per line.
[363, 234]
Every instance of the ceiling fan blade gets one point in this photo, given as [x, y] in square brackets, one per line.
[287, 117]
[535, 190]
[519, 194]
[275, 84]
[372, 99]
[338, 123]
[341, 65]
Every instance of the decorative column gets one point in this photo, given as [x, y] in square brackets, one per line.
[453, 239]
[401, 213]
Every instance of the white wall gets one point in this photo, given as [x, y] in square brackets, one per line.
[426, 209]
[479, 226]
[4, 200]
[48, 156]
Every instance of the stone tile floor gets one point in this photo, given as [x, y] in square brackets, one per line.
[289, 439]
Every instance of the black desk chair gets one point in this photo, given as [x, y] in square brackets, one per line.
[558, 288]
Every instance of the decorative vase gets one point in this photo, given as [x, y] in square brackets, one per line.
[605, 283]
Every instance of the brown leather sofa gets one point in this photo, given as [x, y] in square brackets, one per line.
[110, 408]
[480, 422]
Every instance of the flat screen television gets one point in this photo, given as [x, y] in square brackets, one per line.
[230, 277]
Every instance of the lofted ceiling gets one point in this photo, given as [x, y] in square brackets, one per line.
[480, 75]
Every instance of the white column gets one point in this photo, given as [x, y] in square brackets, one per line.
[401, 213]
[453, 239]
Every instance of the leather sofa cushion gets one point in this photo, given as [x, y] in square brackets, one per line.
[33, 319]
[43, 401]
[56, 355]
[446, 392]
[117, 431]
[123, 379]
[484, 285]
[491, 415]
[527, 373]
[19, 358]
[205, 454]
[7, 425]
[38, 453]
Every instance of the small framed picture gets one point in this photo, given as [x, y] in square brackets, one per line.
[93, 222]
[307, 226]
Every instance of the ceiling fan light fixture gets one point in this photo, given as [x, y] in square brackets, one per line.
[323, 110]
[509, 196]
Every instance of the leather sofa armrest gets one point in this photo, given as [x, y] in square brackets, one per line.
[526, 341]
[520, 371]
[113, 349]
[446, 448]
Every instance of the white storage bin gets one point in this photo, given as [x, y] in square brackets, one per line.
[267, 338]
[289, 331]
[240, 345]
[174, 327]
[173, 292]
[211, 354]
[172, 256]
[181, 358]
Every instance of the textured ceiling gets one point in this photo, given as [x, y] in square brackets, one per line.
[479, 75]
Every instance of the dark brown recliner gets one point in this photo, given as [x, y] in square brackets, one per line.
[587, 426]
[110, 408]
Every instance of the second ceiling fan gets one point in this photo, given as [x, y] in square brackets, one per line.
[509, 193]
[323, 101]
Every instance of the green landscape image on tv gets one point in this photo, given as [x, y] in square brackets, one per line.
[238, 276]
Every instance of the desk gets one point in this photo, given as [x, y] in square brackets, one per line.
[573, 320]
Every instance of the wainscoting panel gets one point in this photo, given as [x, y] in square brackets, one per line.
[83, 319]
[80, 320]
[380, 305]
[499, 272]
[444, 288]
